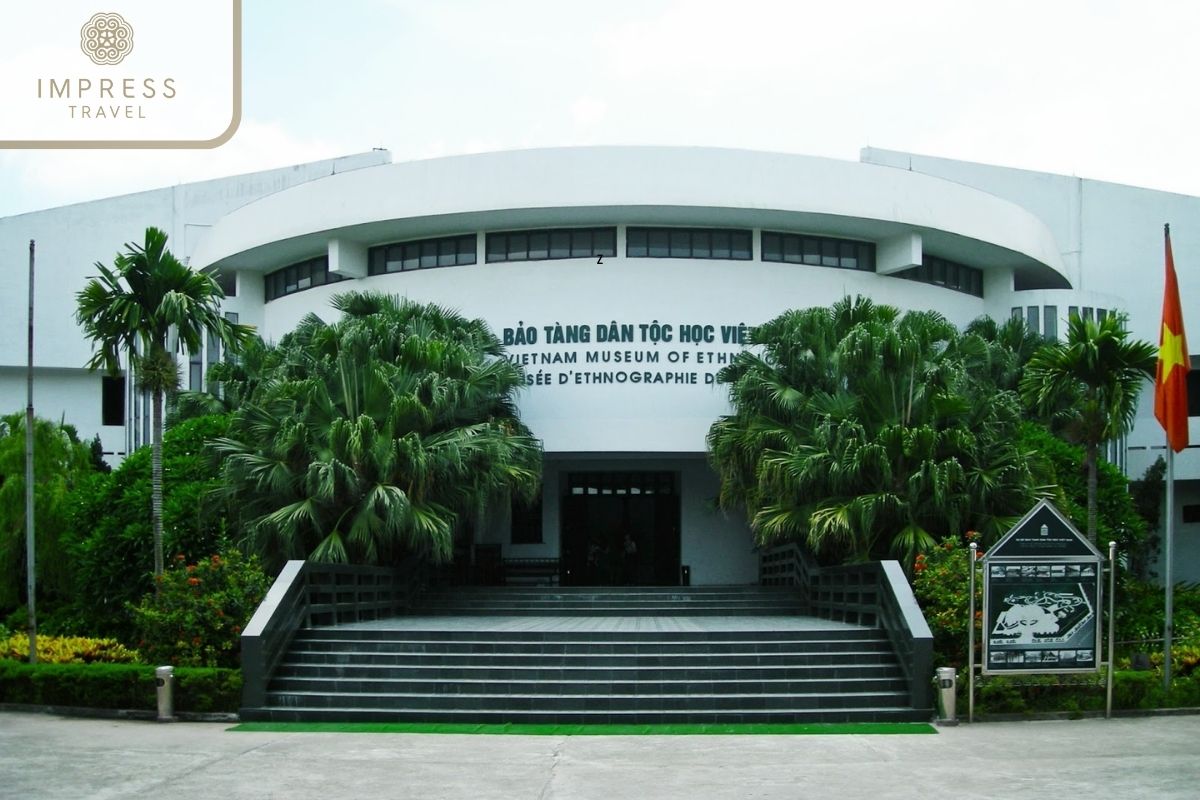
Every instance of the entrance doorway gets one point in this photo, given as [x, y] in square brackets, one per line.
[620, 528]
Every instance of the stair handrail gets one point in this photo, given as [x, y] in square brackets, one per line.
[873, 593]
[270, 631]
[306, 594]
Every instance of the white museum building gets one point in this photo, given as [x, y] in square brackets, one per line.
[622, 279]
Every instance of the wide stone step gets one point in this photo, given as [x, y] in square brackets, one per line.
[607, 611]
[476, 672]
[646, 686]
[628, 660]
[555, 702]
[586, 647]
[596, 637]
[888, 713]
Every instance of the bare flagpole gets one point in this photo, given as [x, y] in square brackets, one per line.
[30, 559]
[1168, 578]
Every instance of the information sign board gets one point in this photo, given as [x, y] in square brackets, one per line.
[1042, 598]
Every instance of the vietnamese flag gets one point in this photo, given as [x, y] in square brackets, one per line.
[1170, 382]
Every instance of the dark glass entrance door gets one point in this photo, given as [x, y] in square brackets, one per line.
[620, 528]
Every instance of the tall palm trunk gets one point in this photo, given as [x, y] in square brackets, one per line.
[156, 483]
[1092, 490]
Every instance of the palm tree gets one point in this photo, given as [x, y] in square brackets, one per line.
[867, 432]
[137, 306]
[373, 437]
[1088, 387]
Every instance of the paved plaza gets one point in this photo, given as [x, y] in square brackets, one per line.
[43, 756]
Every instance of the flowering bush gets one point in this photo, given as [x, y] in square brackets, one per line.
[197, 616]
[940, 582]
[67, 650]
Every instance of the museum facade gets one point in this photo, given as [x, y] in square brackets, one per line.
[621, 279]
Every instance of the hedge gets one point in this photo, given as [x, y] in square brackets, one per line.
[1132, 690]
[118, 686]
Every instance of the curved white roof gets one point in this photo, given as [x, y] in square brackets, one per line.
[646, 185]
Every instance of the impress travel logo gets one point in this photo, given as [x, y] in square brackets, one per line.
[145, 75]
[106, 39]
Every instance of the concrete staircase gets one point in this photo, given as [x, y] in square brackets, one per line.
[639, 601]
[636, 656]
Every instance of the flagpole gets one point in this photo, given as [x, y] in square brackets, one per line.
[1168, 578]
[30, 550]
[1170, 407]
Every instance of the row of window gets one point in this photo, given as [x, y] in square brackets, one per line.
[950, 274]
[641, 242]
[298, 277]
[1044, 319]
[818, 251]
[543, 245]
[449, 251]
[730, 245]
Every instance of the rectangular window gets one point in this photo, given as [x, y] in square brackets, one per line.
[1050, 320]
[228, 283]
[447, 253]
[195, 371]
[772, 247]
[604, 242]
[112, 400]
[846, 254]
[829, 253]
[721, 245]
[466, 249]
[539, 246]
[581, 244]
[739, 245]
[429, 250]
[681, 244]
[793, 252]
[659, 243]
[560, 244]
[497, 247]
[1033, 319]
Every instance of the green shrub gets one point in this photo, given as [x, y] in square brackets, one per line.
[940, 582]
[1118, 519]
[67, 650]
[117, 686]
[61, 463]
[197, 616]
[109, 531]
[1132, 690]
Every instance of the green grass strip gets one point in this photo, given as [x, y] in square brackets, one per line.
[519, 729]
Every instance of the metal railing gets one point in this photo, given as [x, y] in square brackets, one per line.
[307, 594]
[875, 594]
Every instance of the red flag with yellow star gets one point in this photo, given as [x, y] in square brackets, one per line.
[1170, 382]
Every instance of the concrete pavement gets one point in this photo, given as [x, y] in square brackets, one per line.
[43, 756]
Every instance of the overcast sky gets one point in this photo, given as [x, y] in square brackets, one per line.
[1099, 89]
